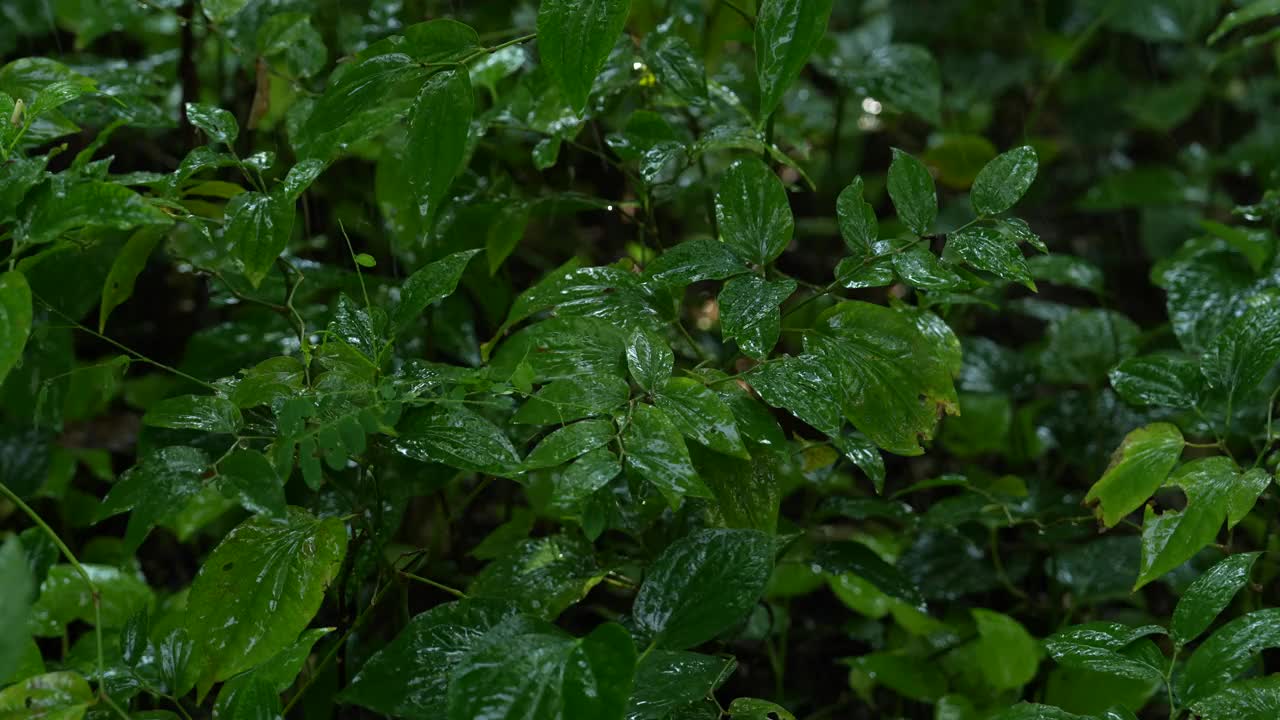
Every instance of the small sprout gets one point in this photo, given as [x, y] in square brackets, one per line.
[365, 260]
[18, 110]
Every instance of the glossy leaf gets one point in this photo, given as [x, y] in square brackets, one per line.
[749, 312]
[428, 650]
[428, 285]
[1246, 350]
[459, 437]
[667, 680]
[1227, 653]
[985, 248]
[564, 401]
[753, 213]
[549, 676]
[1209, 595]
[655, 450]
[1252, 699]
[1004, 180]
[288, 564]
[1098, 646]
[567, 443]
[884, 366]
[542, 576]
[61, 695]
[703, 584]
[209, 413]
[858, 225]
[756, 709]
[649, 359]
[155, 489]
[912, 191]
[574, 39]
[694, 261]
[786, 34]
[1215, 490]
[218, 124]
[437, 143]
[87, 204]
[1162, 380]
[258, 229]
[698, 413]
[1138, 467]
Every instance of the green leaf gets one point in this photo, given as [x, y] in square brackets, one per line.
[1004, 180]
[754, 709]
[787, 33]
[694, 261]
[565, 348]
[15, 604]
[986, 248]
[85, 204]
[1246, 350]
[458, 437]
[1098, 646]
[1007, 653]
[542, 576]
[1138, 467]
[1215, 491]
[288, 38]
[749, 312]
[851, 557]
[259, 588]
[220, 11]
[753, 213]
[703, 584]
[437, 144]
[564, 401]
[1163, 379]
[124, 271]
[258, 228]
[656, 451]
[362, 101]
[427, 650]
[748, 492]
[575, 38]
[248, 478]
[218, 124]
[1255, 10]
[270, 380]
[676, 66]
[1209, 595]
[802, 386]
[1227, 653]
[698, 413]
[54, 696]
[209, 413]
[428, 285]
[884, 366]
[155, 489]
[858, 226]
[650, 360]
[65, 597]
[1084, 344]
[15, 319]
[546, 676]
[1251, 699]
[912, 191]
[667, 680]
[569, 442]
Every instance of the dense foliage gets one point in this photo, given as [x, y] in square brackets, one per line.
[645, 359]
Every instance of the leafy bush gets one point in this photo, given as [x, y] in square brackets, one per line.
[653, 360]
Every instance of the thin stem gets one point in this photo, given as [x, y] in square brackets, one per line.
[750, 19]
[124, 348]
[88, 581]
[439, 586]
